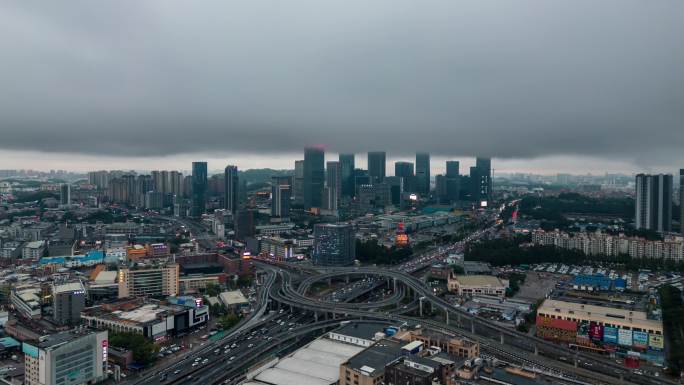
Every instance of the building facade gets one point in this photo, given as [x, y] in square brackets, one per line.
[334, 245]
[199, 188]
[653, 202]
[149, 281]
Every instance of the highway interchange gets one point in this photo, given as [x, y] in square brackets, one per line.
[294, 316]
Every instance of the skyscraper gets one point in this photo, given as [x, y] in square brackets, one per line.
[453, 180]
[481, 181]
[334, 245]
[298, 183]
[653, 203]
[232, 183]
[199, 188]
[681, 200]
[376, 166]
[332, 185]
[452, 168]
[314, 176]
[281, 188]
[347, 175]
[423, 172]
[65, 194]
[403, 169]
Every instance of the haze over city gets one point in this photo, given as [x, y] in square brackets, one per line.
[547, 87]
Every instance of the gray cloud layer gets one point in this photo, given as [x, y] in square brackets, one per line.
[521, 78]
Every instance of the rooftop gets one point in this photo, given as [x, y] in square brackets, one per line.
[364, 331]
[68, 287]
[315, 364]
[54, 340]
[479, 280]
[588, 311]
[233, 297]
[372, 361]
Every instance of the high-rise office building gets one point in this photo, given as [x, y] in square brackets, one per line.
[332, 185]
[452, 168]
[232, 184]
[453, 180]
[298, 183]
[423, 173]
[334, 245]
[403, 169]
[76, 356]
[199, 188]
[65, 194]
[653, 203]
[681, 200]
[347, 175]
[483, 180]
[314, 177]
[281, 188]
[143, 185]
[376, 166]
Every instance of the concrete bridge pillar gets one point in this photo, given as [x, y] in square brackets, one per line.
[329, 281]
[501, 338]
[316, 316]
[446, 311]
[420, 306]
[472, 326]
[536, 350]
[395, 285]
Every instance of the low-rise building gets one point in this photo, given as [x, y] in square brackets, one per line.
[368, 366]
[26, 301]
[234, 300]
[153, 320]
[33, 250]
[456, 346]
[477, 285]
[68, 300]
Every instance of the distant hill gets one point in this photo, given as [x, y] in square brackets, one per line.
[262, 175]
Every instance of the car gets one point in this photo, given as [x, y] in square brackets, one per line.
[231, 358]
[176, 371]
[195, 364]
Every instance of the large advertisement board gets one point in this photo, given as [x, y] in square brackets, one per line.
[595, 331]
[625, 337]
[583, 330]
[639, 339]
[656, 342]
[610, 335]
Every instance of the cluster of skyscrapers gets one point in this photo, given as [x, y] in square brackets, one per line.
[322, 185]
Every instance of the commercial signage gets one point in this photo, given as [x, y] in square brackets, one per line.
[583, 330]
[105, 345]
[610, 335]
[595, 331]
[625, 337]
[655, 341]
[640, 339]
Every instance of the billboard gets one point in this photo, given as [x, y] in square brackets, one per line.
[625, 337]
[610, 335]
[595, 331]
[639, 339]
[583, 330]
[655, 341]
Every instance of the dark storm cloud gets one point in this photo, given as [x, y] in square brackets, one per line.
[502, 78]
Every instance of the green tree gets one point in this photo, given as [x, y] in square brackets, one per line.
[144, 350]
[228, 321]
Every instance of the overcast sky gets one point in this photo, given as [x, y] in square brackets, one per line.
[545, 86]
